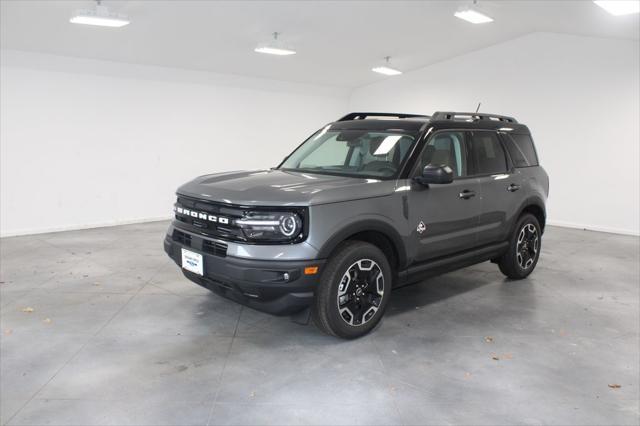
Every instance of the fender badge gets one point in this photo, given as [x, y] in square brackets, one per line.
[421, 227]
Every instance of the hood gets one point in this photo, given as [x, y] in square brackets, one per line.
[283, 188]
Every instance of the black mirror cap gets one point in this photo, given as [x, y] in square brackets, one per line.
[438, 174]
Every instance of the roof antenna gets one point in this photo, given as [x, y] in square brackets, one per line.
[478, 109]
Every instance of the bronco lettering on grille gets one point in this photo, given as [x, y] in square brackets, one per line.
[200, 215]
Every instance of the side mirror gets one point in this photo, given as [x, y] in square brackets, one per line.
[435, 174]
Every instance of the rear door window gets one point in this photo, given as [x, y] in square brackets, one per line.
[521, 150]
[487, 153]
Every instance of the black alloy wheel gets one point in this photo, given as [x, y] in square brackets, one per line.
[360, 292]
[527, 247]
[353, 291]
[523, 253]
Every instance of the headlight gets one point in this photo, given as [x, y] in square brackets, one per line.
[270, 226]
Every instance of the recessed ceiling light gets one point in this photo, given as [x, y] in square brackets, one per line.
[275, 48]
[100, 17]
[619, 7]
[274, 51]
[386, 71]
[386, 68]
[473, 16]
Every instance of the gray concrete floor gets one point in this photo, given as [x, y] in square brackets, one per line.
[116, 335]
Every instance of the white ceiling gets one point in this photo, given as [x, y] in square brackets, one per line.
[337, 41]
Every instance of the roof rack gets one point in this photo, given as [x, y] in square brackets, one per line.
[363, 115]
[471, 116]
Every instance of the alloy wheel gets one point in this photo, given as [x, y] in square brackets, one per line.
[527, 247]
[360, 292]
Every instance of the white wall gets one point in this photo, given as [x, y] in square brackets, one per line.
[578, 95]
[87, 143]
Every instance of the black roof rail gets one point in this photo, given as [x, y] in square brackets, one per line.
[362, 115]
[471, 116]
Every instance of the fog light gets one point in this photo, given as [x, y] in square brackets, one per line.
[285, 276]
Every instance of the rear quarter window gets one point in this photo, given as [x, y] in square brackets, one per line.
[521, 150]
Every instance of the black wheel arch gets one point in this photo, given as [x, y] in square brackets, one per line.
[378, 233]
[534, 205]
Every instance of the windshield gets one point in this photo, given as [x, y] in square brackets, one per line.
[362, 153]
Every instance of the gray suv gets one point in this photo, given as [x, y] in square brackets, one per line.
[366, 204]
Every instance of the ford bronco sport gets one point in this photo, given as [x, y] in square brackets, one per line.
[366, 204]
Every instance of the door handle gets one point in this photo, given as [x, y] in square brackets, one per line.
[513, 187]
[466, 194]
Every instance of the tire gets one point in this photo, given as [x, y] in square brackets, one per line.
[364, 292]
[524, 248]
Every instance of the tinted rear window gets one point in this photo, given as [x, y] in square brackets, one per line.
[521, 150]
[488, 154]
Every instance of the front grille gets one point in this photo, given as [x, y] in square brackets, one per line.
[217, 220]
[215, 248]
[182, 238]
[201, 224]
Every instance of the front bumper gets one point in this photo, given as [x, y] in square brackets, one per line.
[259, 284]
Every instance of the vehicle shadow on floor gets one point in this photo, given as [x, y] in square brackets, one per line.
[436, 289]
[457, 287]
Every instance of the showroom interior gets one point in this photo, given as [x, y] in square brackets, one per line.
[106, 108]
